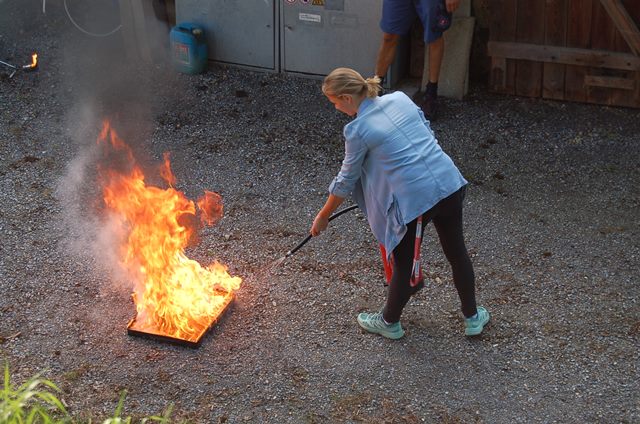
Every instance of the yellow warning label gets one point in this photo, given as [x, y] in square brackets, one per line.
[317, 3]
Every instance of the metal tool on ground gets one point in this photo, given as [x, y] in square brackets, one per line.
[30, 67]
[279, 261]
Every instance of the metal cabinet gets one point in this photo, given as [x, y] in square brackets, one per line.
[305, 37]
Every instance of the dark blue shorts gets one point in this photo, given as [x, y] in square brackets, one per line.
[398, 16]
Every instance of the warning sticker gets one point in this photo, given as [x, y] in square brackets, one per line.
[318, 3]
[310, 17]
[181, 53]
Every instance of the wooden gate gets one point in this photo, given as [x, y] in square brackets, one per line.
[577, 50]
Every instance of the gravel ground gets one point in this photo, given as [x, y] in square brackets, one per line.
[551, 222]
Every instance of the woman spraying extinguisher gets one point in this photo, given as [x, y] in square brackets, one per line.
[400, 178]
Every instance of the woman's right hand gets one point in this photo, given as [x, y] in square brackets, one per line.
[319, 225]
[322, 219]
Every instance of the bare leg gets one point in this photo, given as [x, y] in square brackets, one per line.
[436, 52]
[387, 53]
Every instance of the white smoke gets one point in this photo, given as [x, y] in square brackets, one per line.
[92, 236]
[106, 82]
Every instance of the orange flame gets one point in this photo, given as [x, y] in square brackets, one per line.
[174, 295]
[165, 171]
[34, 62]
[211, 207]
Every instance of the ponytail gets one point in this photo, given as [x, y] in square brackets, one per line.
[347, 81]
[374, 85]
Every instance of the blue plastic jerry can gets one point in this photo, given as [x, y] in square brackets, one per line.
[188, 48]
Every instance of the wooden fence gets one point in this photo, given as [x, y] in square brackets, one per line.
[576, 50]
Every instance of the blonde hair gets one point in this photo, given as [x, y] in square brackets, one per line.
[347, 81]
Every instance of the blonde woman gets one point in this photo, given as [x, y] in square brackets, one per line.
[399, 177]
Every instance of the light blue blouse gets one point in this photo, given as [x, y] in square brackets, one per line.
[393, 166]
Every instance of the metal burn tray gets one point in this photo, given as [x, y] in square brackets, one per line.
[147, 334]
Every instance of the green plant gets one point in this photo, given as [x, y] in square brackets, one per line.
[35, 402]
[32, 402]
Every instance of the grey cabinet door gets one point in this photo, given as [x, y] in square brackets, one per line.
[242, 32]
[320, 36]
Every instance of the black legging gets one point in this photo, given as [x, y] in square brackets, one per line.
[446, 216]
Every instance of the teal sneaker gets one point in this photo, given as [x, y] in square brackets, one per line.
[474, 326]
[373, 323]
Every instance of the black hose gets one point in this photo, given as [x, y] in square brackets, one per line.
[332, 217]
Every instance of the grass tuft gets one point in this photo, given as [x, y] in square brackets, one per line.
[35, 401]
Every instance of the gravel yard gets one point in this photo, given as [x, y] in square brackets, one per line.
[552, 223]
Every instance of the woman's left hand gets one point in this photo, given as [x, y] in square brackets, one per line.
[319, 225]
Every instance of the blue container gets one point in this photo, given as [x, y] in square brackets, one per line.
[188, 48]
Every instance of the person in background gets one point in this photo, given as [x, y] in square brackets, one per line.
[397, 173]
[397, 18]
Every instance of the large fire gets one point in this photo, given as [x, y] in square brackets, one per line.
[174, 295]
